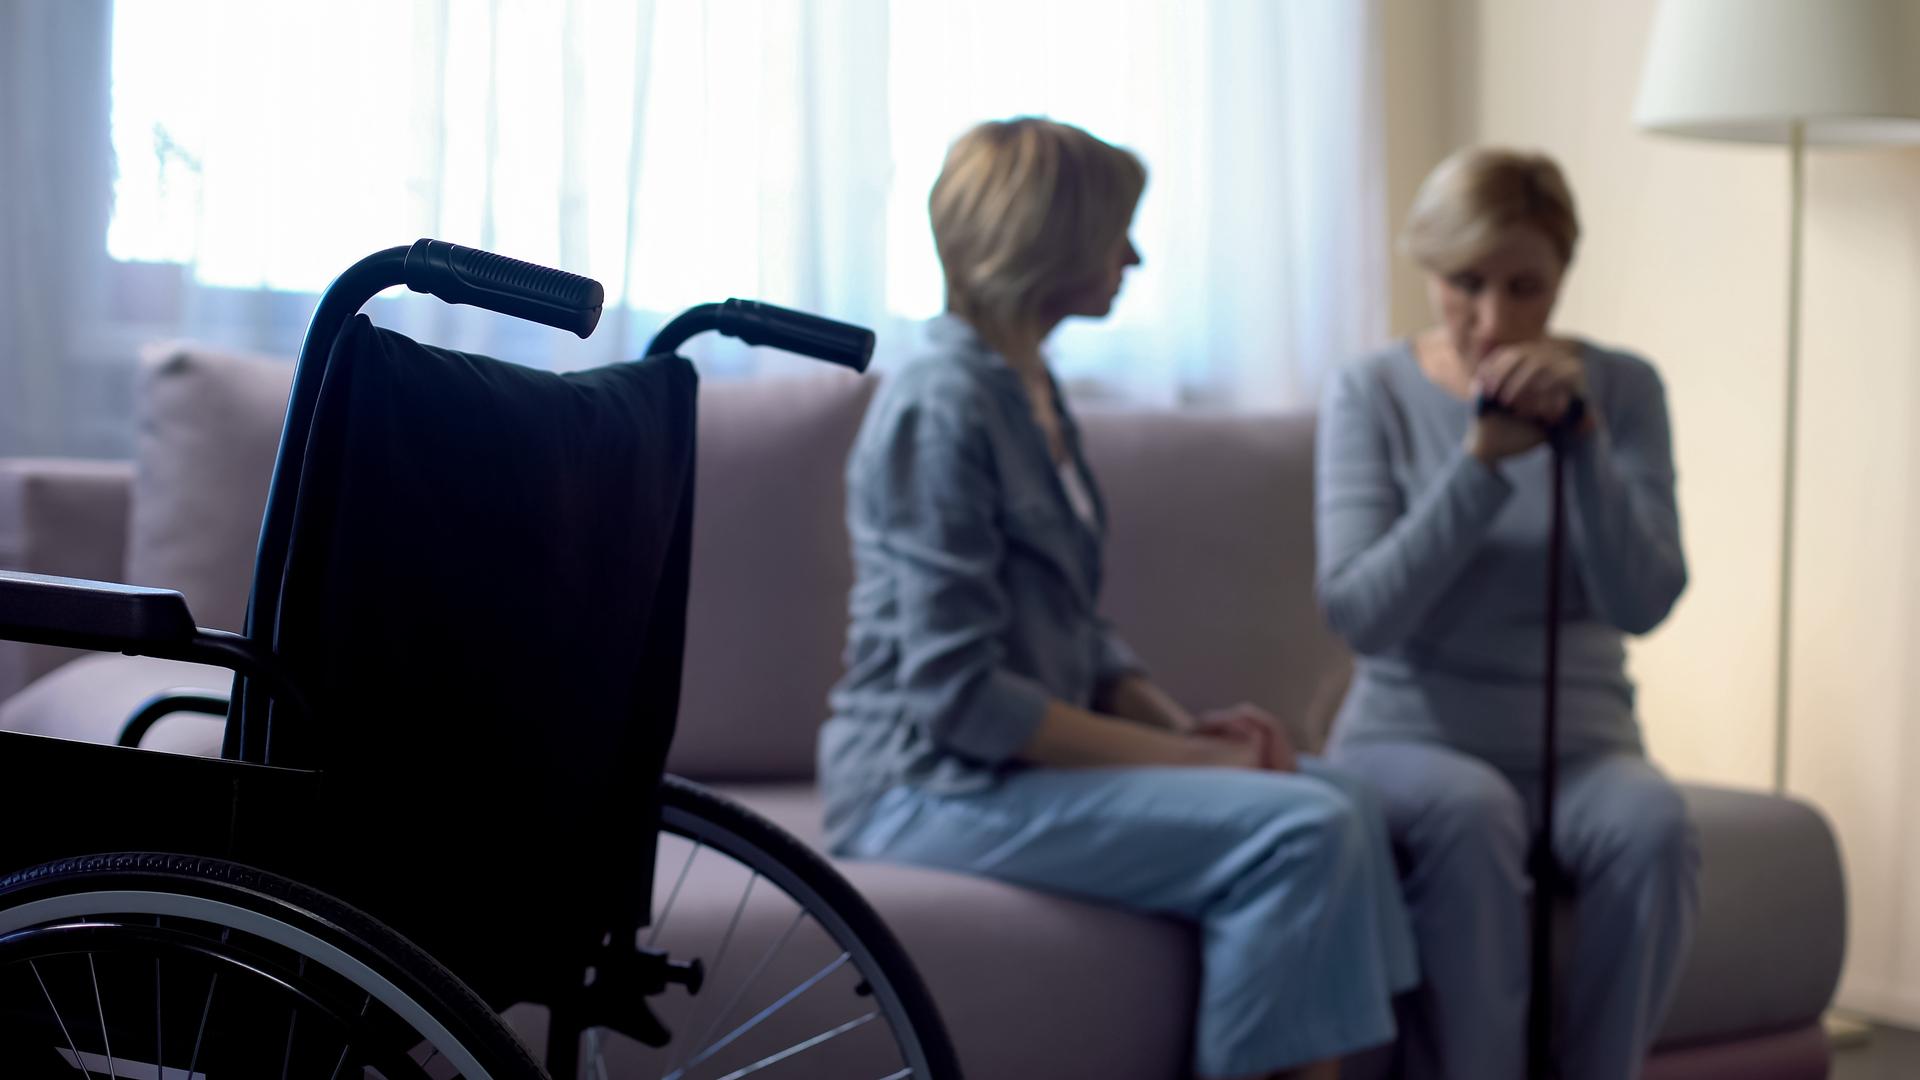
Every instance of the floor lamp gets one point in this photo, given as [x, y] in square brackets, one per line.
[1802, 73]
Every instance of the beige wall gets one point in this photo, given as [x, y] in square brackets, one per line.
[1856, 699]
[1423, 120]
[1685, 261]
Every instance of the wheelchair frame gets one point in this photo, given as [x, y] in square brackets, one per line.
[251, 804]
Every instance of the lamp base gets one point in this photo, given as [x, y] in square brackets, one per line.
[1845, 1031]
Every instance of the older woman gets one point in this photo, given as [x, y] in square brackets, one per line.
[990, 721]
[1432, 526]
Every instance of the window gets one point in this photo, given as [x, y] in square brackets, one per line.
[688, 150]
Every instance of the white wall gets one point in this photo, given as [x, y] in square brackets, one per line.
[1685, 260]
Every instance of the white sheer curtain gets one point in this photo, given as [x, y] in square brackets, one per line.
[678, 152]
[689, 150]
[1263, 229]
[54, 182]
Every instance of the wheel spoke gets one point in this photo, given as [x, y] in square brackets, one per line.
[598, 1054]
[810, 983]
[299, 960]
[205, 941]
[741, 990]
[693, 814]
[348, 1048]
[61, 1020]
[113, 1070]
[661, 922]
[806, 1044]
[726, 939]
[293, 1024]
[206, 1010]
[159, 1027]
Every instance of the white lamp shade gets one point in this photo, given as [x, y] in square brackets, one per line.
[1746, 70]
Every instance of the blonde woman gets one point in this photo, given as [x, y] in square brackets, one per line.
[1432, 527]
[991, 722]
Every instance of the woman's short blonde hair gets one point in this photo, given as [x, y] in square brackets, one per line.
[1024, 210]
[1480, 192]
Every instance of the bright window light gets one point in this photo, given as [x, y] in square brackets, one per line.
[267, 146]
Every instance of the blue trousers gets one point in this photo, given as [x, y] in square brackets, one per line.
[1628, 854]
[1289, 875]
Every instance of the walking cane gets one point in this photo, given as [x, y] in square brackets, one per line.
[1544, 868]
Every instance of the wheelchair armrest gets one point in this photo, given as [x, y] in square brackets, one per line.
[99, 615]
[105, 616]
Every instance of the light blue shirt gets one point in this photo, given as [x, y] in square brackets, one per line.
[976, 584]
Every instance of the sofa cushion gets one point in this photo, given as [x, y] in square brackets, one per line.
[1768, 863]
[92, 698]
[66, 518]
[771, 568]
[1210, 558]
[209, 426]
[1029, 983]
[1220, 606]
[763, 634]
[767, 604]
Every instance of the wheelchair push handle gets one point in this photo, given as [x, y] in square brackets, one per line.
[758, 323]
[464, 275]
[764, 324]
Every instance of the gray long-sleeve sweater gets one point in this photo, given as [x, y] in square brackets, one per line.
[1433, 566]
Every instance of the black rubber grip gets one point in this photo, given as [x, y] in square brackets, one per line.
[797, 332]
[464, 275]
[1576, 411]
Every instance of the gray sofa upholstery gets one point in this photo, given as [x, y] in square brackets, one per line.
[1210, 574]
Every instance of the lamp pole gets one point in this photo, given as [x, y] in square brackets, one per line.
[1796, 157]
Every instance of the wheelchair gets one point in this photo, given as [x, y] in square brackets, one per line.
[441, 796]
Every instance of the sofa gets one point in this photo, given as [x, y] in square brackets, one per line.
[1210, 575]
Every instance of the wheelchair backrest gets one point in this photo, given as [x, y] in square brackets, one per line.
[484, 594]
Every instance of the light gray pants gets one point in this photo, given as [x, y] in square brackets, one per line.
[1461, 828]
[1289, 875]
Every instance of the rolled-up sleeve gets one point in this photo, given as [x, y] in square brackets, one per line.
[933, 500]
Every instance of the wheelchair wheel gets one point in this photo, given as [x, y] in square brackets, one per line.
[176, 967]
[801, 976]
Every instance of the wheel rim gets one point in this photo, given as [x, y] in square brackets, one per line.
[261, 955]
[724, 1032]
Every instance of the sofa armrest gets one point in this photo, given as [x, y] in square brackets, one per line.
[1772, 930]
[66, 518]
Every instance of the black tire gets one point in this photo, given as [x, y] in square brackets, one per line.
[706, 818]
[283, 943]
